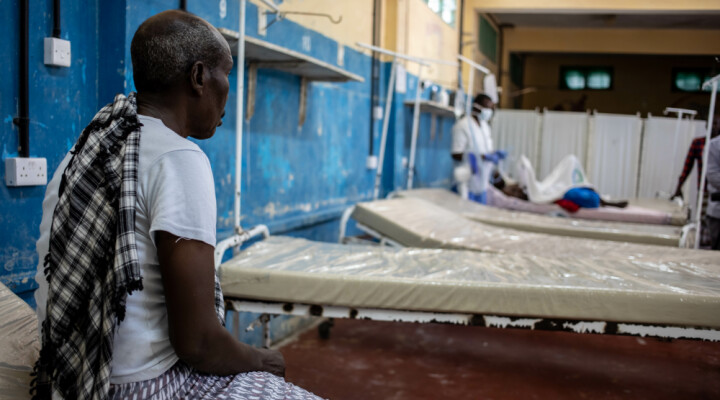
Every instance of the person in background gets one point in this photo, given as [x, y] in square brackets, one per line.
[128, 301]
[695, 156]
[713, 188]
[472, 150]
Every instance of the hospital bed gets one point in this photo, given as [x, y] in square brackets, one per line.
[644, 211]
[529, 222]
[19, 345]
[413, 222]
[290, 276]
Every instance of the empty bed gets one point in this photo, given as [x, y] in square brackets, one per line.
[282, 275]
[414, 222]
[529, 222]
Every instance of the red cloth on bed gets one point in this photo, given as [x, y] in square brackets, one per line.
[568, 205]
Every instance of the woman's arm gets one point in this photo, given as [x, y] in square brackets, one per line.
[188, 276]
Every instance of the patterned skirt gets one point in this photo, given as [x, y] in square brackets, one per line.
[182, 382]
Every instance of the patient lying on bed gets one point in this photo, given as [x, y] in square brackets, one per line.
[566, 186]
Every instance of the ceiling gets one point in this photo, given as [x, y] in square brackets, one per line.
[641, 21]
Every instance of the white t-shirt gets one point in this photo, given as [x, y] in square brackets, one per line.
[462, 142]
[176, 194]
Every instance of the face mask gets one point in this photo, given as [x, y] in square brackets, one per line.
[486, 114]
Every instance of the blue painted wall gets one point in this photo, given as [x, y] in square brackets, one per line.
[296, 179]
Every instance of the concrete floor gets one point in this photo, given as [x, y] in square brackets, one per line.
[384, 360]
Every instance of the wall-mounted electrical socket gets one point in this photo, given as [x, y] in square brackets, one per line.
[371, 162]
[21, 171]
[57, 52]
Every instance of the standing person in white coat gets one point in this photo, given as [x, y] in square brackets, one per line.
[472, 150]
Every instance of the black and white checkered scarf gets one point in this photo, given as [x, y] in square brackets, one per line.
[92, 264]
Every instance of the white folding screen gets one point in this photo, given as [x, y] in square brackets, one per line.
[613, 154]
[518, 133]
[563, 133]
[663, 152]
[624, 155]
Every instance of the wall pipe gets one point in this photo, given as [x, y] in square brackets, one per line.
[388, 104]
[416, 118]
[239, 117]
[386, 124]
[23, 120]
[460, 45]
[240, 235]
[703, 176]
[56, 18]
[415, 127]
[374, 78]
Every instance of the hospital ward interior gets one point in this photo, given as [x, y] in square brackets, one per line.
[360, 199]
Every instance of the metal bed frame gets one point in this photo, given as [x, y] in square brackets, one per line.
[270, 309]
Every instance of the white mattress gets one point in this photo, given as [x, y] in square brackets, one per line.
[290, 270]
[529, 222]
[417, 223]
[19, 345]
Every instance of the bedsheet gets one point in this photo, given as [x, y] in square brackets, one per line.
[292, 270]
[644, 211]
[415, 222]
[529, 222]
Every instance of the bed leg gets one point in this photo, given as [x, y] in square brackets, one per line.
[265, 319]
[324, 328]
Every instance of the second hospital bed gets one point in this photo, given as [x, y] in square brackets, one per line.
[530, 222]
[414, 222]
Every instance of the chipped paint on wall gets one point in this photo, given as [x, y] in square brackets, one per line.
[297, 179]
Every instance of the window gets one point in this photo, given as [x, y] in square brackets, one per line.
[517, 69]
[487, 42]
[444, 8]
[690, 79]
[586, 78]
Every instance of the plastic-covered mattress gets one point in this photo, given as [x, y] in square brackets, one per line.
[418, 223]
[643, 211]
[19, 345]
[294, 270]
[529, 222]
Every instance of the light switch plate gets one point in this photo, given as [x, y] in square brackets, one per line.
[57, 52]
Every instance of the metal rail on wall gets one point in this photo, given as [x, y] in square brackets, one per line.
[388, 103]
